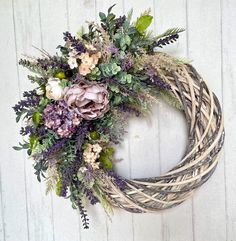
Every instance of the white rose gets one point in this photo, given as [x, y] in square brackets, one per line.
[54, 90]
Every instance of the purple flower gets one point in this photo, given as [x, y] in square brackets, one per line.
[160, 83]
[31, 100]
[117, 180]
[156, 80]
[89, 194]
[68, 173]
[57, 146]
[113, 50]
[119, 21]
[127, 64]
[76, 44]
[62, 119]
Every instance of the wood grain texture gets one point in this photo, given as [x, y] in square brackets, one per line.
[228, 10]
[204, 47]
[151, 147]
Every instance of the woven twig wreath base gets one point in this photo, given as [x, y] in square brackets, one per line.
[206, 136]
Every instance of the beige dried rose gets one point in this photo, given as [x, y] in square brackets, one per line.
[90, 99]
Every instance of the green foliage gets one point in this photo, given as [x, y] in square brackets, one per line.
[122, 40]
[124, 78]
[95, 74]
[143, 23]
[40, 168]
[64, 83]
[36, 118]
[104, 159]
[21, 146]
[110, 69]
[169, 98]
[44, 144]
[33, 142]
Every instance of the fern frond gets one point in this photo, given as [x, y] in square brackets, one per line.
[169, 32]
[130, 14]
[51, 179]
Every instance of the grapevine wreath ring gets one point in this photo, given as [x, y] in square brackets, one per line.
[205, 140]
[84, 96]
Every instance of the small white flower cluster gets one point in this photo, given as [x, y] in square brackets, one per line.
[91, 154]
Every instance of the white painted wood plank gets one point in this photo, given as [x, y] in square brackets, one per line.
[40, 214]
[2, 228]
[229, 100]
[204, 31]
[13, 194]
[79, 12]
[52, 36]
[65, 219]
[172, 127]
[144, 148]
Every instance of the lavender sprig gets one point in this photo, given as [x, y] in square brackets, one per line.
[75, 43]
[83, 214]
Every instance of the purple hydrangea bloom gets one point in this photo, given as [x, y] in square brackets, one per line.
[62, 119]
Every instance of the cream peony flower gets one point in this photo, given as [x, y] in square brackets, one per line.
[54, 90]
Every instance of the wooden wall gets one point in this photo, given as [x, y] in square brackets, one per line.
[152, 146]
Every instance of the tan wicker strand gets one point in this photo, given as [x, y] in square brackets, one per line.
[206, 136]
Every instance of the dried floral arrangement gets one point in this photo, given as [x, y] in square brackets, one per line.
[84, 96]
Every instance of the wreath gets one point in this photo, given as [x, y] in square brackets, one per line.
[85, 94]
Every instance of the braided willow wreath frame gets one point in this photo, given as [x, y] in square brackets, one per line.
[83, 99]
[206, 137]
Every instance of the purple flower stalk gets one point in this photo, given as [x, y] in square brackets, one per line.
[75, 43]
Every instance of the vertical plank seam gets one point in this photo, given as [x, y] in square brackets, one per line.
[130, 166]
[222, 94]
[40, 24]
[187, 52]
[159, 130]
[53, 224]
[19, 91]
[51, 198]
[187, 46]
